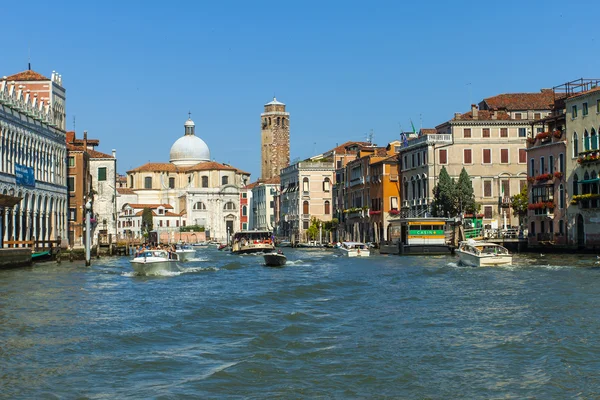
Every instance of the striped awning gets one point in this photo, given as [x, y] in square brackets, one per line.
[590, 180]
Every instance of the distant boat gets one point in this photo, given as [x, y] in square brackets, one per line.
[150, 262]
[284, 243]
[482, 254]
[200, 244]
[353, 249]
[184, 252]
[275, 259]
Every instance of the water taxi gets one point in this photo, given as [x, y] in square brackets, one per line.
[184, 252]
[252, 242]
[150, 262]
[275, 259]
[482, 254]
[353, 249]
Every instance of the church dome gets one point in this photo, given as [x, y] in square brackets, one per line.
[189, 149]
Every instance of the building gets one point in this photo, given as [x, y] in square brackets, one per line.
[263, 203]
[79, 183]
[205, 193]
[275, 139]
[245, 197]
[33, 173]
[489, 142]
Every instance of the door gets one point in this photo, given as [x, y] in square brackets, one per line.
[229, 227]
[580, 231]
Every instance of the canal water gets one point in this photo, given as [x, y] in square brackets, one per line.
[323, 326]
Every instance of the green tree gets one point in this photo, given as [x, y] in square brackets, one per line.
[519, 203]
[313, 229]
[444, 198]
[147, 220]
[465, 196]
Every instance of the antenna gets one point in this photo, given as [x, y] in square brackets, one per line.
[28, 56]
[420, 121]
[371, 134]
[73, 123]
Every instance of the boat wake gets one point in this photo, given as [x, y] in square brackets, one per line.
[180, 271]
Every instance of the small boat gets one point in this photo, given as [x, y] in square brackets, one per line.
[200, 244]
[353, 249]
[150, 262]
[223, 247]
[41, 256]
[275, 259]
[284, 243]
[245, 242]
[184, 252]
[482, 254]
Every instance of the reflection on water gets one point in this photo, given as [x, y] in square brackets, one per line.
[322, 326]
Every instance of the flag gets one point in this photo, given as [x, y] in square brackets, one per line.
[413, 126]
[404, 139]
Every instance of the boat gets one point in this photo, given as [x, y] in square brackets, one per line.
[275, 259]
[284, 243]
[256, 241]
[482, 254]
[353, 249]
[150, 262]
[184, 252]
[200, 244]
[41, 256]
[223, 247]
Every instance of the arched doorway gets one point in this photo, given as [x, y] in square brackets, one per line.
[580, 231]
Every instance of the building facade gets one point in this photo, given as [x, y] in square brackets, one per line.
[263, 204]
[33, 173]
[275, 139]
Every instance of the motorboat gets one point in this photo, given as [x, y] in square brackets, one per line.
[353, 249]
[200, 244]
[185, 252]
[257, 241]
[150, 262]
[223, 247]
[284, 243]
[275, 259]
[482, 254]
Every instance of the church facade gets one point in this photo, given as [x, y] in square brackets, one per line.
[196, 190]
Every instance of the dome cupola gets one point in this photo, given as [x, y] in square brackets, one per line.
[189, 149]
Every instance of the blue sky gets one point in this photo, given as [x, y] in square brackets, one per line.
[133, 71]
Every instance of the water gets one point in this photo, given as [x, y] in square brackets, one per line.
[321, 327]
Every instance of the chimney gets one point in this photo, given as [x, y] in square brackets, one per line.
[456, 115]
[495, 114]
[114, 153]
[474, 111]
[85, 140]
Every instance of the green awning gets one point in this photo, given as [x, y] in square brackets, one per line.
[590, 180]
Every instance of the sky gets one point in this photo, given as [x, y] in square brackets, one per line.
[134, 69]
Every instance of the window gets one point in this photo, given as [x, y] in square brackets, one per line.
[148, 182]
[326, 185]
[171, 183]
[229, 206]
[167, 223]
[199, 206]
[487, 188]
[561, 163]
[467, 159]
[327, 207]
[412, 160]
[503, 132]
[537, 116]
[487, 212]
[177, 224]
[504, 156]
[305, 186]
[71, 162]
[305, 224]
[522, 156]
[131, 181]
[522, 132]
[244, 195]
[244, 226]
[305, 207]
[418, 159]
[72, 214]
[205, 181]
[594, 140]
[443, 153]
[575, 145]
[160, 223]
[486, 132]
[161, 211]
[224, 180]
[532, 229]
[542, 165]
[575, 185]
[551, 164]
[487, 156]
[561, 227]
[586, 140]
[71, 183]
[574, 111]
[522, 184]
[271, 204]
[394, 202]
[505, 185]
[532, 167]
[467, 132]
[518, 115]
[561, 196]
[245, 211]
[101, 174]
[584, 109]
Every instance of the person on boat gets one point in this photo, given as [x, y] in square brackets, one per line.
[279, 252]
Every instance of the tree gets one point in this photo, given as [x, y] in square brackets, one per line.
[465, 196]
[313, 229]
[444, 198]
[147, 219]
[519, 203]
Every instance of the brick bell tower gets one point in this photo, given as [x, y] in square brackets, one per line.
[275, 139]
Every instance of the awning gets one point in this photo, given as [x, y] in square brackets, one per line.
[9, 201]
[590, 180]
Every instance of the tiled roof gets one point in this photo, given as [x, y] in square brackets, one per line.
[211, 165]
[483, 115]
[151, 206]
[596, 89]
[203, 166]
[521, 101]
[28, 75]
[273, 180]
[125, 191]
[252, 185]
[156, 167]
[429, 131]
[97, 154]
[342, 149]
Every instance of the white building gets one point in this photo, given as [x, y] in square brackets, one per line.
[262, 204]
[103, 168]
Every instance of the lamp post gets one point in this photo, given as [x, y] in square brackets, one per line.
[88, 212]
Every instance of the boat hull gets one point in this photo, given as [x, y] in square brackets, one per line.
[252, 248]
[353, 252]
[185, 255]
[472, 260]
[275, 260]
[153, 267]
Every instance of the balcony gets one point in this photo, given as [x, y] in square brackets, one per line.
[545, 138]
[430, 139]
[588, 157]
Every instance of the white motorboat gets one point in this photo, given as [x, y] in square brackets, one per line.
[353, 249]
[185, 252]
[151, 262]
[482, 254]
[256, 241]
[275, 259]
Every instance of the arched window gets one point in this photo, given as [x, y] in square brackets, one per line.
[131, 181]
[575, 145]
[586, 140]
[327, 207]
[305, 187]
[326, 185]
[405, 194]
[199, 206]
[419, 189]
[245, 210]
[561, 163]
[561, 196]
[594, 139]
[542, 165]
[224, 180]
[229, 206]
[532, 228]
[551, 164]
[205, 181]
[148, 182]
[305, 207]
[278, 121]
[532, 167]
[575, 185]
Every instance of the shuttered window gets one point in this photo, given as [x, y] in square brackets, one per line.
[487, 188]
[522, 156]
[487, 156]
[467, 132]
[443, 156]
[486, 132]
[467, 159]
[504, 156]
[503, 132]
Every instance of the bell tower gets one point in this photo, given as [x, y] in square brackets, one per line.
[275, 139]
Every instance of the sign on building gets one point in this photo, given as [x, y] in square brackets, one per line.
[24, 175]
